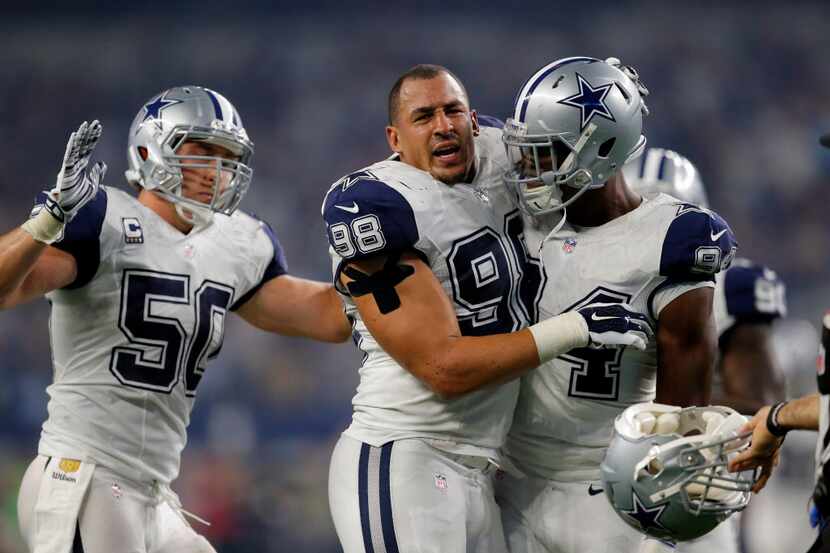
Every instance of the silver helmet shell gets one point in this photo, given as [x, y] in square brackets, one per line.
[665, 469]
[576, 122]
[189, 113]
[661, 170]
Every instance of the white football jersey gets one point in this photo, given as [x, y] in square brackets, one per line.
[132, 335]
[470, 234]
[646, 258]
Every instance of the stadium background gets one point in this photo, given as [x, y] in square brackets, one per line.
[741, 89]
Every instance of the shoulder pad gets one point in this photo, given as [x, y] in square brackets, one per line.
[698, 244]
[754, 293]
[490, 121]
[365, 216]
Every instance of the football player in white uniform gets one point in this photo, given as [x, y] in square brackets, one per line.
[577, 121]
[139, 290]
[428, 253]
[748, 298]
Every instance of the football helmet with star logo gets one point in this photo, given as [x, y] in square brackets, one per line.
[665, 470]
[576, 122]
[190, 114]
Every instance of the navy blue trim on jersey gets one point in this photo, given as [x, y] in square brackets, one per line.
[490, 121]
[363, 497]
[216, 107]
[82, 238]
[697, 244]
[541, 77]
[740, 288]
[77, 543]
[276, 267]
[384, 486]
[365, 217]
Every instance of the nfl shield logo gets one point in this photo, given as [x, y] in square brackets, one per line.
[569, 245]
[440, 481]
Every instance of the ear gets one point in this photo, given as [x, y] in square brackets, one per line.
[474, 121]
[393, 139]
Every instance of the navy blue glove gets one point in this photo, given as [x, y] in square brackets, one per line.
[616, 324]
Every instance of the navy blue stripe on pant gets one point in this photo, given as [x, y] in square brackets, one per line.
[363, 496]
[375, 499]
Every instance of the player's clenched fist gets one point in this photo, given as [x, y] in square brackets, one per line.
[75, 186]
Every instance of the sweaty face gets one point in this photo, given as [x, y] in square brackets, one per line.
[434, 129]
[201, 176]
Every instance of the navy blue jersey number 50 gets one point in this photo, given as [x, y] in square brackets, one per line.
[173, 353]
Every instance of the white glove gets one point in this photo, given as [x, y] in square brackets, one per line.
[616, 324]
[73, 189]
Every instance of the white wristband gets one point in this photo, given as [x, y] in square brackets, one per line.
[44, 227]
[559, 335]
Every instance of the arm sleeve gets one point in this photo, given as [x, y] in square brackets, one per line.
[754, 293]
[365, 217]
[698, 244]
[82, 237]
[276, 265]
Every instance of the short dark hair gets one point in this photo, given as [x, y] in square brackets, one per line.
[421, 71]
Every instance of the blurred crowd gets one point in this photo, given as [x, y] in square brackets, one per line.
[743, 95]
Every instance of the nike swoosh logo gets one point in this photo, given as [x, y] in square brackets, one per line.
[595, 318]
[354, 209]
[715, 237]
[594, 491]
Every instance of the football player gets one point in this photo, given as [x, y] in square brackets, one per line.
[139, 289]
[428, 253]
[748, 296]
[577, 121]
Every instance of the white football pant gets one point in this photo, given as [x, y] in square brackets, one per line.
[116, 516]
[409, 497]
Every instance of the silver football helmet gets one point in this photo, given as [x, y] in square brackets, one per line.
[659, 170]
[665, 470]
[190, 114]
[576, 122]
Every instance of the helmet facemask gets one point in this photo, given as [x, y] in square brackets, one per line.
[157, 163]
[672, 462]
[542, 163]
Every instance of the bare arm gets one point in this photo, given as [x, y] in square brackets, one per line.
[298, 307]
[686, 347]
[798, 414]
[424, 337]
[29, 269]
[749, 370]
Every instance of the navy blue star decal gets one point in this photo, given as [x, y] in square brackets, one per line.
[646, 519]
[153, 109]
[350, 180]
[590, 100]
